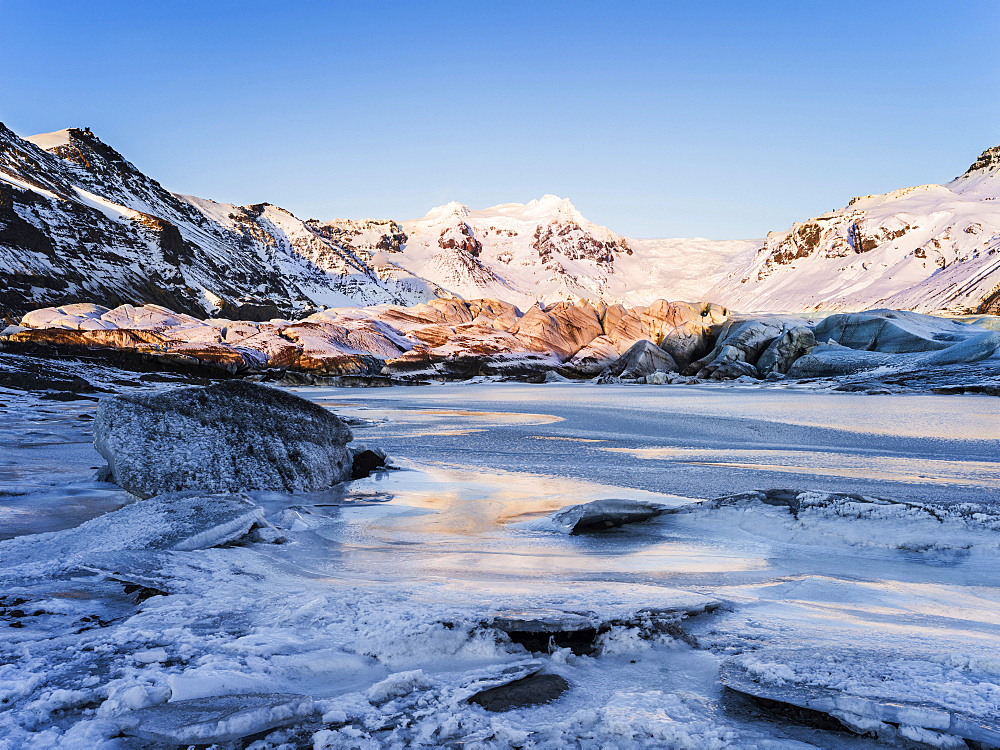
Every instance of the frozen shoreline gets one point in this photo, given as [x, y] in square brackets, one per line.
[375, 604]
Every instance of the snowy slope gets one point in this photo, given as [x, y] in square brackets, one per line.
[931, 248]
[545, 250]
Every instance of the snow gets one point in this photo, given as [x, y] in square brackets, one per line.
[49, 141]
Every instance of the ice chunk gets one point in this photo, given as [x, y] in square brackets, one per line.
[877, 692]
[228, 436]
[203, 721]
[601, 515]
[539, 629]
[175, 521]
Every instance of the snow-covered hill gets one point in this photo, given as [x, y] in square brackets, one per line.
[929, 248]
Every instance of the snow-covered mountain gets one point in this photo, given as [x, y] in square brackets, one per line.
[545, 250]
[79, 223]
[929, 248]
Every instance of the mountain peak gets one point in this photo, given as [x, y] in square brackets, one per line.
[440, 213]
[53, 140]
[989, 160]
[982, 179]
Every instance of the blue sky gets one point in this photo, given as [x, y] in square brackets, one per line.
[711, 119]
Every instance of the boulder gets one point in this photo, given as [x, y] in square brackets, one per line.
[643, 358]
[683, 329]
[657, 378]
[740, 340]
[795, 341]
[733, 370]
[228, 436]
[593, 359]
[365, 461]
[527, 691]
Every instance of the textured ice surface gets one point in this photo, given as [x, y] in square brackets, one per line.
[173, 521]
[202, 721]
[229, 436]
[379, 602]
[867, 689]
[823, 518]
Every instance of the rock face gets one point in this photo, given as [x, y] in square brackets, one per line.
[449, 339]
[224, 437]
[741, 342]
[643, 358]
[795, 341]
[445, 338]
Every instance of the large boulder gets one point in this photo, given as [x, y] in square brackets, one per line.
[795, 341]
[593, 359]
[683, 329]
[643, 358]
[224, 437]
[740, 340]
[893, 331]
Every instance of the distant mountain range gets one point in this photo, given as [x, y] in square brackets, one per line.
[79, 223]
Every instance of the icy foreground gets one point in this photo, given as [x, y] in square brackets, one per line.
[446, 603]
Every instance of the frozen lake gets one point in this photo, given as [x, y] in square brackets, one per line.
[699, 441]
[378, 603]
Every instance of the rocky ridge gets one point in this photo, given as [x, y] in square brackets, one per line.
[79, 223]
